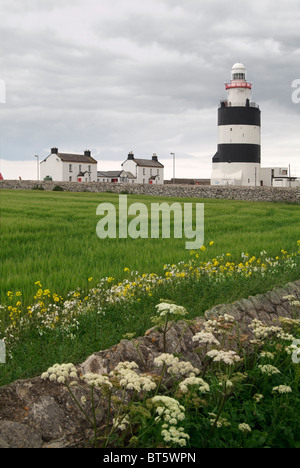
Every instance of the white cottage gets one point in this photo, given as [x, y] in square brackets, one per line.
[145, 171]
[66, 167]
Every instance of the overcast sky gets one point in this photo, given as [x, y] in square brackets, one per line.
[115, 76]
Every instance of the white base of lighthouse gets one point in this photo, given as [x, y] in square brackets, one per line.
[246, 174]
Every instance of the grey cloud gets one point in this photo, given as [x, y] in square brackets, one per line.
[145, 77]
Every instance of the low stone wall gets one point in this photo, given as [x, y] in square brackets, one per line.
[266, 194]
[37, 413]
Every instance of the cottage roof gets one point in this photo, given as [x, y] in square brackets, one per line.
[147, 162]
[76, 158]
[120, 173]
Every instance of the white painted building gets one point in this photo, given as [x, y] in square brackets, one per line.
[145, 171]
[64, 167]
[278, 177]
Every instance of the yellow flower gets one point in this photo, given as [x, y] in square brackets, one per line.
[203, 248]
[90, 279]
[126, 269]
[211, 243]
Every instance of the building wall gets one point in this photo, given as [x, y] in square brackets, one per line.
[236, 174]
[76, 169]
[239, 134]
[143, 174]
[53, 167]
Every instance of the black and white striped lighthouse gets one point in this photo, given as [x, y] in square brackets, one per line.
[237, 161]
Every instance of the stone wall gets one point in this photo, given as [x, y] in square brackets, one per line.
[37, 413]
[267, 194]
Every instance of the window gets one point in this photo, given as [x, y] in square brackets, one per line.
[238, 76]
[70, 167]
[150, 171]
[79, 167]
[143, 181]
[157, 171]
[144, 171]
[89, 168]
[70, 178]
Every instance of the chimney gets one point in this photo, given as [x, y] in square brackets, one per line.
[131, 155]
[87, 153]
[154, 157]
[54, 151]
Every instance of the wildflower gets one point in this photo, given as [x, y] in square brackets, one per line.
[202, 386]
[175, 435]
[228, 357]
[267, 354]
[220, 422]
[244, 427]
[165, 308]
[205, 337]
[268, 369]
[182, 368]
[282, 389]
[168, 408]
[90, 279]
[130, 380]
[60, 372]
[258, 397]
[121, 422]
[165, 358]
[97, 381]
[126, 269]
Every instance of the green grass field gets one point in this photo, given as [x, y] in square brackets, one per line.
[51, 237]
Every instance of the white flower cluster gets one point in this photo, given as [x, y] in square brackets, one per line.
[60, 372]
[121, 422]
[268, 369]
[267, 354]
[97, 380]
[171, 412]
[282, 389]
[221, 421]
[243, 427]
[130, 380]
[176, 367]
[206, 337]
[174, 435]
[228, 357]
[202, 386]
[164, 308]
[261, 331]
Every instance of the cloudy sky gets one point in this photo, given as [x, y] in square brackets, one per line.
[115, 76]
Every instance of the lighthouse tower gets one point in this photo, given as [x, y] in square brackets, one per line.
[237, 161]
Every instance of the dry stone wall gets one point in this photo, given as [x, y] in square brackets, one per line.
[37, 413]
[267, 194]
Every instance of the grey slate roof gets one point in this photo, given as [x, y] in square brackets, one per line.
[147, 163]
[76, 158]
